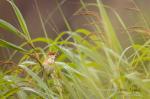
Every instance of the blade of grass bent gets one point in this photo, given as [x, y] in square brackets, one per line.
[7, 26]
[20, 19]
[110, 32]
[6, 44]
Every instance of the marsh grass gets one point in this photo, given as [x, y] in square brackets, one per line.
[88, 65]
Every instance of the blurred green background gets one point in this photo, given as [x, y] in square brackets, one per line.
[54, 23]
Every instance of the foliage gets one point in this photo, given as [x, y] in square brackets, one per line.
[88, 65]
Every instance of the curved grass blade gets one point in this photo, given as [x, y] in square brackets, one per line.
[6, 44]
[110, 32]
[35, 91]
[39, 81]
[7, 26]
[42, 39]
[11, 92]
[20, 19]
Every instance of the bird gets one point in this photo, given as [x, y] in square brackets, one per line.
[49, 62]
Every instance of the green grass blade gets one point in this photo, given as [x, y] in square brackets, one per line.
[34, 91]
[7, 26]
[6, 44]
[41, 20]
[64, 17]
[39, 81]
[11, 92]
[20, 19]
[110, 32]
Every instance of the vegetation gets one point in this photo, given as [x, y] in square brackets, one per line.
[88, 65]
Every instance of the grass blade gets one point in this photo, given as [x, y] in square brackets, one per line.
[20, 19]
[6, 44]
[7, 26]
[110, 32]
[39, 81]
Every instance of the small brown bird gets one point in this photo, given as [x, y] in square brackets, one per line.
[49, 62]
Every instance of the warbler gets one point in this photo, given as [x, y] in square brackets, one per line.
[49, 62]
